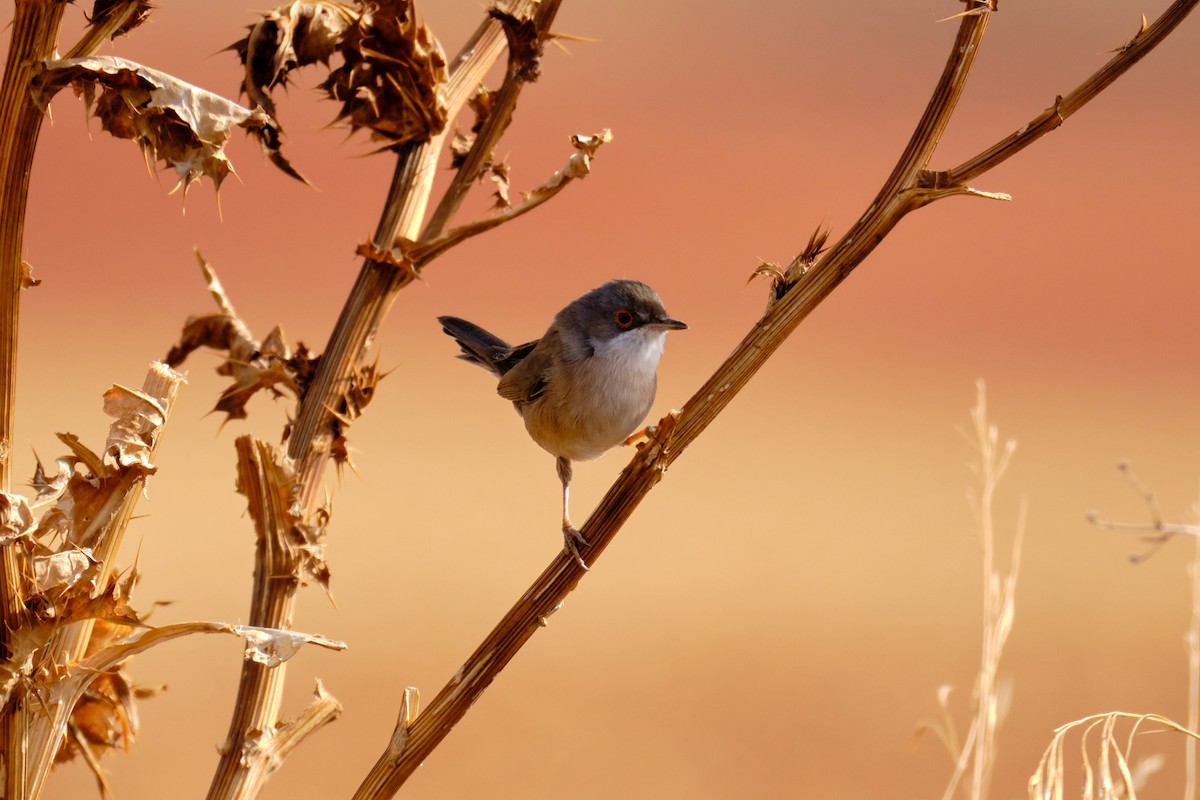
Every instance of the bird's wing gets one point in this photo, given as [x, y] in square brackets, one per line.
[527, 379]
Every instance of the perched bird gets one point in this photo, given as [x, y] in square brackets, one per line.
[587, 384]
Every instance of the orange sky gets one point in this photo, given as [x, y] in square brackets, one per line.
[777, 617]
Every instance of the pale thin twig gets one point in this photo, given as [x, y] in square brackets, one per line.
[1157, 532]
[999, 606]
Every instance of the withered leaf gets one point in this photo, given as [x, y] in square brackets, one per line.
[294, 35]
[172, 121]
[309, 537]
[137, 420]
[524, 42]
[110, 605]
[27, 279]
[272, 646]
[460, 145]
[136, 12]
[218, 331]
[65, 568]
[15, 517]
[248, 380]
[499, 175]
[252, 366]
[81, 451]
[47, 487]
[392, 77]
[481, 103]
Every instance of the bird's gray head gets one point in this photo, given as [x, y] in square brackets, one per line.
[615, 308]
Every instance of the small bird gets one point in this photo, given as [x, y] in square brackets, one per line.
[587, 384]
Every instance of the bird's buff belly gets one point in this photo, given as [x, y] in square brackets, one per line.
[579, 436]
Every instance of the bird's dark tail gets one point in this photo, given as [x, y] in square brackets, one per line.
[485, 349]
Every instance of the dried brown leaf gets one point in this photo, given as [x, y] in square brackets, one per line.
[498, 173]
[102, 10]
[63, 569]
[524, 42]
[309, 536]
[93, 462]
[15, 517]
[27, 279]
[172, 121]
[138, 419]
[782, 280]
[399, 261]
[253, 367]
[293, 35]
[393, 76]
[218, 331]
[85, 502]
[272, 646]
[460, 145]
[360, 390]
[50, 487]
[481, 103]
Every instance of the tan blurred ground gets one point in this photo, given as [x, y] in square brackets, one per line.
[777, 617]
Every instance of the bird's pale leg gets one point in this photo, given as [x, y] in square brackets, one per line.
[572, 538]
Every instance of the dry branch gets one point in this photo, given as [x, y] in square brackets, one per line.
[335, 394]
[907, 188]
[284, 557]
[380, 279]
[34, 33]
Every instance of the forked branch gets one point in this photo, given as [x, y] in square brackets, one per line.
[907, 188]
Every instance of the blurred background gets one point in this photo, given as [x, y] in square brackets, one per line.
[776, 619]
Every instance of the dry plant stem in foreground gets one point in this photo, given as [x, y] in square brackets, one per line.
[246, 759]
[70, 642]
[380, 280]
[34, 33]
[255, 739]
[800, 289]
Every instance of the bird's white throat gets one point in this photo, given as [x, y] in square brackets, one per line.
[636, 352]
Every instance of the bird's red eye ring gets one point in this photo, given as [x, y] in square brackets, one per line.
[624, 318]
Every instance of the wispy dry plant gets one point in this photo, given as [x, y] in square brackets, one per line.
[975, 754]
[1156, 532]
[1110, 772]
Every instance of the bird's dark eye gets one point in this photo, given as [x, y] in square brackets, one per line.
[624, 318]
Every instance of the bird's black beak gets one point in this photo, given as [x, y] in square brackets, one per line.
[666, 324]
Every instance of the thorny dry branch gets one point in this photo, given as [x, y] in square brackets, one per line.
[333, 390]
[911, 185]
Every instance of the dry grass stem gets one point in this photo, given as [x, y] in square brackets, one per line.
[977, 755]
[1112, 774]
